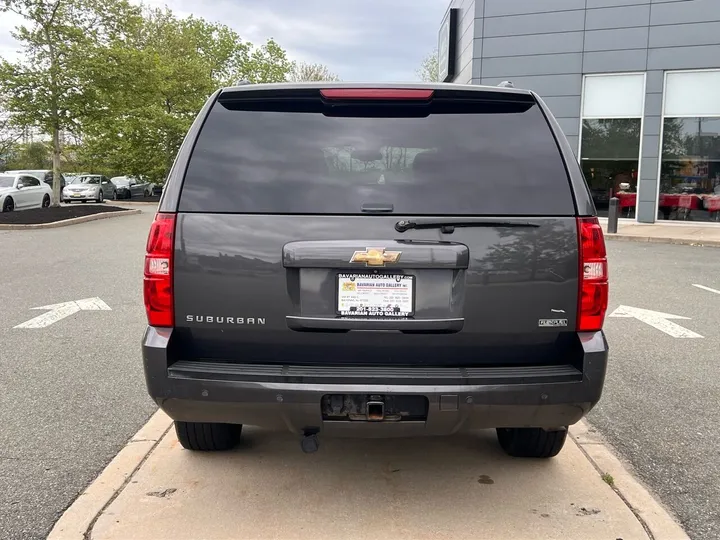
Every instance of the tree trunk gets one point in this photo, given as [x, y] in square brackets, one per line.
[56, 167]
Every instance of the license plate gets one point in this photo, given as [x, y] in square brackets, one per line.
[375, 295]
[77, 194]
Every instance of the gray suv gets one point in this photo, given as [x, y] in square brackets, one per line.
[376, 261]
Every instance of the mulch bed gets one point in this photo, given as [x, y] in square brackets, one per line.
[153, 198]
[49, 215]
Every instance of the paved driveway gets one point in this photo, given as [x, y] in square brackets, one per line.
[661, 405]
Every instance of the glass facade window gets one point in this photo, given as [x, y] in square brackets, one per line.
[610, 159]
[610, 138]
[690, 169]
[613, 96]
[690, 159]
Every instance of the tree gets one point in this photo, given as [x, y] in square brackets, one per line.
[34, 155]
[9, 135]
[52, 86]
[430, 68]
[304, 72]
[159, 81]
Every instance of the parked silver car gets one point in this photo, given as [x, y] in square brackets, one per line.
[89, 187]
[128, 187]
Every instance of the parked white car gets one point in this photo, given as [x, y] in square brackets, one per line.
[20, 192]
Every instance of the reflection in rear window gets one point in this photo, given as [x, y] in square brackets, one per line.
[474, 162]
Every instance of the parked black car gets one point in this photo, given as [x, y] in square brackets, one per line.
[376, 260]
[128, 187]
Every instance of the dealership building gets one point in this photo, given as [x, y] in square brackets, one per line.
[635, 85]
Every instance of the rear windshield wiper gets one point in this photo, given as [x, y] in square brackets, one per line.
[447, 225]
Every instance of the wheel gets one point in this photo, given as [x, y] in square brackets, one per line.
[114, 195]
[101, 197]
[531, 442]
[46, 201]
[8, 205]
[206, 437]
[146, 194]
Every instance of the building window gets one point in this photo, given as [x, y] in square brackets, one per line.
[610, 138]
[690, 166]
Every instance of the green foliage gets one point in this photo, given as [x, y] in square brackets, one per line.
[29, 156]
[304, 72]
[430, 68]
[608, 479]
[127, 83]
[51, 87]
[156, 84]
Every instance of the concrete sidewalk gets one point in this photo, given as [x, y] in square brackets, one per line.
[457, 487]
[664, 232]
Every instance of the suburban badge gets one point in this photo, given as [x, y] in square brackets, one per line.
[375, 257]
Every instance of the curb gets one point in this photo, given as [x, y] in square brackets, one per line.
[77, 521]
[66, 222]
[660, 240]
[131, 203]
[658, 522]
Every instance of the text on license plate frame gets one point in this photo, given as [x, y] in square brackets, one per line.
[345, 276]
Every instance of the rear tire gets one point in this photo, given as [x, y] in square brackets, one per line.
[206, 436]
[531, 442]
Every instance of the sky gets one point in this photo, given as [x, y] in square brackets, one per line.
[359, 40]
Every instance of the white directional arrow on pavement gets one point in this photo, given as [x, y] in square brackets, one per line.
[656, 319]
[57, 312]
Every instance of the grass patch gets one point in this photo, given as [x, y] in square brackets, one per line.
[608, 479]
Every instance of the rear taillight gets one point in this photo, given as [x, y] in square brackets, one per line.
[158, 281]
[593, 293]
[377, 93]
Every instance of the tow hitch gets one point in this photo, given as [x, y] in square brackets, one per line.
[375, 409]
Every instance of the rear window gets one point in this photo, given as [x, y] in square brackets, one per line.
[440, 158]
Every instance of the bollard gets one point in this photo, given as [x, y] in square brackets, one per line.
[613, 215]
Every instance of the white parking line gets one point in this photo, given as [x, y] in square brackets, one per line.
[703, 287]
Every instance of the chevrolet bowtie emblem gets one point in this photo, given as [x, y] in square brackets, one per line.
[375, 257]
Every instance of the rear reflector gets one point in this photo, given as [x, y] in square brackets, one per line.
[376, 93]
[158, 278]
[593, 293]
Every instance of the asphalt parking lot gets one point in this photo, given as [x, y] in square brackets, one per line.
[660, 408]
[73, 391]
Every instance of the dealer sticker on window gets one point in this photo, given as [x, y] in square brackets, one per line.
[375, 295]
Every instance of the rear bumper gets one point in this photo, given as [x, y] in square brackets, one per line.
[289, 397]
